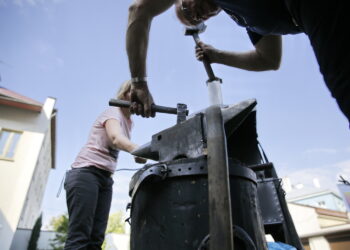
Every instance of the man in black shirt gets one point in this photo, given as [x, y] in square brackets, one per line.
[322, 21]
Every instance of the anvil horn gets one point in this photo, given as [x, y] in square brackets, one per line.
[145, 151]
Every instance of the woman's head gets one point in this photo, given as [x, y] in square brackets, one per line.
[193, 12]
[124, 91]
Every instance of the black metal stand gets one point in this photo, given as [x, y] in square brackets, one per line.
[212, 188]
[220, 216]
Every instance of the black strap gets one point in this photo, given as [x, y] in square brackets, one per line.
[262, 153]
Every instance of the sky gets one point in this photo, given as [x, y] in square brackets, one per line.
[75, 51]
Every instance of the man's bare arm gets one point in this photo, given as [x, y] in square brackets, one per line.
[141, 13]
[266, 56]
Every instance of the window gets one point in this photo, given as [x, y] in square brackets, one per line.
[8, 143]
[322, 204]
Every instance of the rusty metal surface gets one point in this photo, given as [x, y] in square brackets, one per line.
[173, 213]
[270, 206]
[170, 205]
[274, 210]
[234, 115]
[188, 138]
[220, 215]
[184, 140]
[182, 167]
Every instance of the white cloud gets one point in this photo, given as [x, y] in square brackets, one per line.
[321, 151]
[328, 176]
[344, 169]
[44, 47]
[344, 165]
[23, 3]
[59, 62]
[119, 204]
[49, 60]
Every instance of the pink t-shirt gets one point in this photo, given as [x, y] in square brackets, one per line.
[98, 150]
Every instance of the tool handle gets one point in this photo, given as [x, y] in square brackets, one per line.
[156, 108]
[206, 62]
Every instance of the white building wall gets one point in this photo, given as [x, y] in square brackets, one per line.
[45, 240]
[117, 241]
[308, 224]
[16, 176]
[319, 243]
[22, 237]
[31, 209]
[304, 218]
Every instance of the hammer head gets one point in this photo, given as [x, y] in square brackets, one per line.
[196, 29]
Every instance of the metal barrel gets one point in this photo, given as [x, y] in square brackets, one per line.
[170, 207]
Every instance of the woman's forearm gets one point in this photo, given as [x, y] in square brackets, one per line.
[121, 142]
[117, 138]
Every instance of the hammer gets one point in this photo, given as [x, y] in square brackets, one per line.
[194, 31]
[181, 110]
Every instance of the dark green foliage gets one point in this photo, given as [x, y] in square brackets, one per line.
[34, 237]
[60, 226]
[116, 223]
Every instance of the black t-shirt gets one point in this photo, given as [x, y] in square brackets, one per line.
[260, 17]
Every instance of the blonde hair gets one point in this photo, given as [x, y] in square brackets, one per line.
[123, 90]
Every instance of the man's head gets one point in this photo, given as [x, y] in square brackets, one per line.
[193, 12]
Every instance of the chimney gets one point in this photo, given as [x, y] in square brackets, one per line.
[287, 185]
[316, 183]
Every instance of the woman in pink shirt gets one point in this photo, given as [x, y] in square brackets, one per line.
[89, 183]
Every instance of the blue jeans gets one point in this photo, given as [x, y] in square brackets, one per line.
[89, 196]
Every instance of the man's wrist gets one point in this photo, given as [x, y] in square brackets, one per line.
[139, 80]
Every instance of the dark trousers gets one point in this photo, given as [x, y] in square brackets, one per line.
[326, 23]
[89, 196]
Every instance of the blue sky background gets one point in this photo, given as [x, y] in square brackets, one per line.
[75, 51]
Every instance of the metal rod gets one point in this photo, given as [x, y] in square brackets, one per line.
[220, 215]
[260, 167]
[213, 82]
[156, 108]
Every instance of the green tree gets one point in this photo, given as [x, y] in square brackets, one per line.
[116, 223]
[60, 226]
[34, 237]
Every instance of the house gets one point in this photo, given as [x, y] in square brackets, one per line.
[316, 197]
[27, 154]
[321, 229]
[319, 216]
